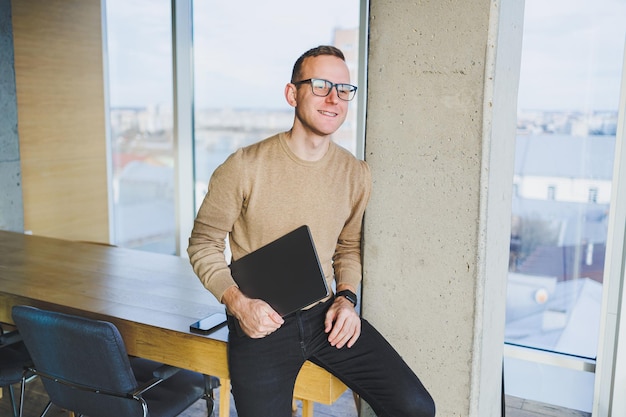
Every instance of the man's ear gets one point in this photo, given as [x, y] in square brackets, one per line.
[290, 94]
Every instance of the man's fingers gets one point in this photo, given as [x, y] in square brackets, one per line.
[260, 319]
[345, 331]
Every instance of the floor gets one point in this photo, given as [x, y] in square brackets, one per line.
[517, 407]
[36, 399]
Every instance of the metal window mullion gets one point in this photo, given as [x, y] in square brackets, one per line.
[183, 112]
[112, 217]
[362, 78]
[611, 368]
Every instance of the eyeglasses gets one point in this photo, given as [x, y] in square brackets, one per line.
[322, 88]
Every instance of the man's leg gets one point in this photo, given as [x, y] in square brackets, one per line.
[374, 370]
[263, 371]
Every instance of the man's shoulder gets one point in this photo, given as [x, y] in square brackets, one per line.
[247, 156]
[347, 159]
[257, 149]
[263, 144]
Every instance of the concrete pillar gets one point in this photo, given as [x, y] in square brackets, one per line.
[442, 94]
[11, 206]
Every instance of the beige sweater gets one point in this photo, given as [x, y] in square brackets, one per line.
[264, 191]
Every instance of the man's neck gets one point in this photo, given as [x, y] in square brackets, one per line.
[307, 147]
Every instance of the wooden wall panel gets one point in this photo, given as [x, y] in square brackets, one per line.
[61, 117]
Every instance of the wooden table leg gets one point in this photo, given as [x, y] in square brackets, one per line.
[307, 408]
[224, 397]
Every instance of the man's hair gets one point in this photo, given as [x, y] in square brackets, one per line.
[317, 51]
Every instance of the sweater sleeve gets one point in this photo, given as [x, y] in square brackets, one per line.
[347, 258]
[219, 210]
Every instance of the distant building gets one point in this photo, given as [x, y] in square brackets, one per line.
[561, 196]
[576, 169]
[561, 192]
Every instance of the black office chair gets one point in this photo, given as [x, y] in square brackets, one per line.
[85, 369]
[14, 359]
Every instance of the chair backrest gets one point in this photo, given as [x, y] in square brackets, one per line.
[13, 358]
[81, 351]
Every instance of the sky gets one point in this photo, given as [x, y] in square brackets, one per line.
[572, 53]
[244, 50]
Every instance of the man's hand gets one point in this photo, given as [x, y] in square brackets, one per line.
[342, 323]
[256, 318]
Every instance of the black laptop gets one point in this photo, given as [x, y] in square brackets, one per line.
[285, 273]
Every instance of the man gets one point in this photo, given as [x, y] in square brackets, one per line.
[268, 189]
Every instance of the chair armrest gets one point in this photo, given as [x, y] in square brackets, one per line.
[135, 395]
[160, 374]
[211, 382]
[146, 386]
[165, 371]
[82, 387]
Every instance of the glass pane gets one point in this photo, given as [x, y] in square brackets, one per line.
[568, 106]
[140, 88]
[243, 62]
[567, 118]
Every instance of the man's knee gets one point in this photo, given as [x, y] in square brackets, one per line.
[426, 408]
[411, 404]
[422, 406]
[412, 401]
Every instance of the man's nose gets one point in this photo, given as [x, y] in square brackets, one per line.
[333, 95]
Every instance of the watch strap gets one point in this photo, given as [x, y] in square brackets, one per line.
[349, 295]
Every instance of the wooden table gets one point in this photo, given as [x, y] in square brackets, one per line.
[151, 298]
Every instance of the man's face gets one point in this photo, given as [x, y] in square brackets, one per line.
[321, 115]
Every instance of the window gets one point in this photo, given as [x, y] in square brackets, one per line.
[242, 62]
[568, 108]
[551, 192]
[140, 95]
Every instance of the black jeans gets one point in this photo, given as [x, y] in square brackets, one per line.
[263, 371]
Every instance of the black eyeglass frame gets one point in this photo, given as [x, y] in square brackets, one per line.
[351, 88]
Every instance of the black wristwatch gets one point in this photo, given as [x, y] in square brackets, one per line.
[349, 295]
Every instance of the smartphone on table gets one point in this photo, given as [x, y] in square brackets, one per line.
[208, 324]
